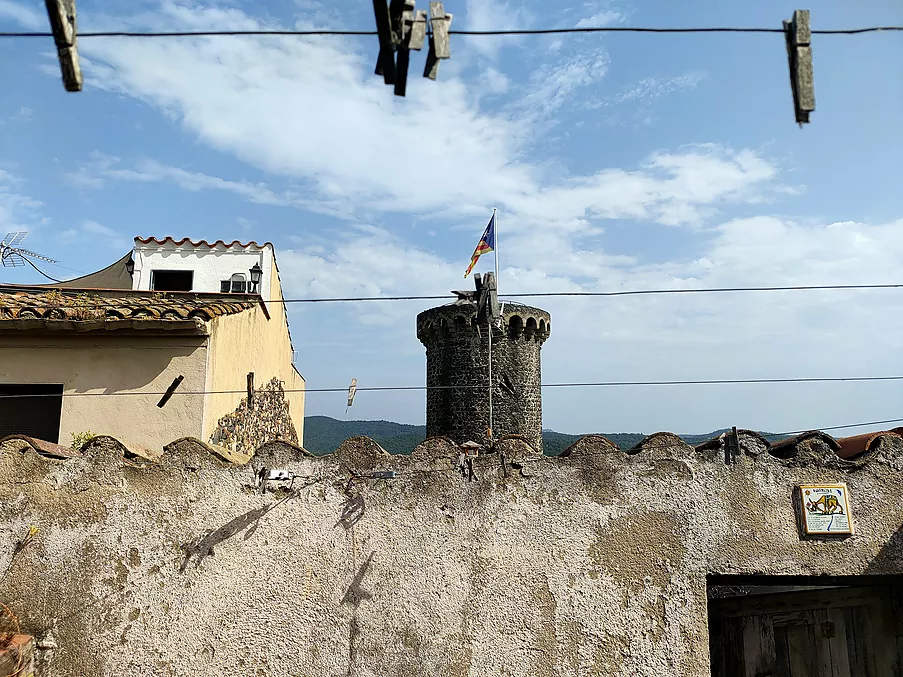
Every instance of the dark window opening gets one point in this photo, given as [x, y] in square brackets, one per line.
[795, 626]
[235, 285]
[33, 409]
[172, 280]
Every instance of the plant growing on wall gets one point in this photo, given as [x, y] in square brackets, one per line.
[80, 440]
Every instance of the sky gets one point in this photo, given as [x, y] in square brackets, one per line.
[616, 161]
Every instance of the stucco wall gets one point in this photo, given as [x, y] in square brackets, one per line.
[210, 265]
[251, 342]
[594, 564]
[110, 362]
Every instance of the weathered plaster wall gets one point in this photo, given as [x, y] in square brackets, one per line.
[107, 362]
[591, 564]
[246, 342]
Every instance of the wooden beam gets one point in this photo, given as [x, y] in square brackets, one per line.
[170, 390]
[62, 23]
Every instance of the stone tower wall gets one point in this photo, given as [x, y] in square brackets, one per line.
[457, 402]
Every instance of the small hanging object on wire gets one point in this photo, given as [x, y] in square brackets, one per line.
[798, 34]
[352, 390]
[62, 24]
[440, 21]
[400, 29]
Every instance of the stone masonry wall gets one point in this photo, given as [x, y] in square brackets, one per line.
[266, 420]
[592, 563]
[457, 360]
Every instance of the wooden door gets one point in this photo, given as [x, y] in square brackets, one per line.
[840, 632]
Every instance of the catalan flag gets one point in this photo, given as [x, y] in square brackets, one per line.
[487, 244]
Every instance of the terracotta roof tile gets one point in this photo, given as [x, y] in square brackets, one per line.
[112, 307]
[172, 240]
[853, 446]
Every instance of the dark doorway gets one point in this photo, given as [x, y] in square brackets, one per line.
[774, 626]
[31, 409]
[172, 280]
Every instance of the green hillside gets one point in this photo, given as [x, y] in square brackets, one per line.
[323, 435]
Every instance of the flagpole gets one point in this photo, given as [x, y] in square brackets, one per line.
[495, 250]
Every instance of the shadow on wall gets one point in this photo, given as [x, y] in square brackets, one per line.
[889, 559]
[109, 370]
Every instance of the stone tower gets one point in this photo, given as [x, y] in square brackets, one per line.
[457, 352]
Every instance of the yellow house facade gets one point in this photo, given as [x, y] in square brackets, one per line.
[97, 354]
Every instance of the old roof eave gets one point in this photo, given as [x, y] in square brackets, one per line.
[193, 326]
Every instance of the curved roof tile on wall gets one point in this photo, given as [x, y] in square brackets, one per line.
[201, 243]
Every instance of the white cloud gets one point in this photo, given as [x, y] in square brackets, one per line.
[652, 88]
[102, 168]
[601, 18]
[25, 15]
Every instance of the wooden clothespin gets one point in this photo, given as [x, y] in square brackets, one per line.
[250, 388]
[352, 389]
[440, 21]
[62, 24]
[413, 34]
[798, 33]
[385, 63]
[400, 29]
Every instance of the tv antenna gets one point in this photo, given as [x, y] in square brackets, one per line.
[13, 256]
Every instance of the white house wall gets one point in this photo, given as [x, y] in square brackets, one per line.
[209, 265]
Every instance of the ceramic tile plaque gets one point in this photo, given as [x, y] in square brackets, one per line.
[824, 509]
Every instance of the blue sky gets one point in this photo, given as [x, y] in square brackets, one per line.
[617, 161]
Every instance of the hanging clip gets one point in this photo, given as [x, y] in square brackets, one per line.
[62, 23]
[798, 34]
[352, 389]
[440, 21]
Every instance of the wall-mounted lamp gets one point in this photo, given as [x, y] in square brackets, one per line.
[256, 273]
[130, 266]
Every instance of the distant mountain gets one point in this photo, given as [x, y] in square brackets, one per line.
[323, 435]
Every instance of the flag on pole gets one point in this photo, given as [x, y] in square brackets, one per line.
[487, 244]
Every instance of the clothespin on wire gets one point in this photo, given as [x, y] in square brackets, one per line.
[798, 34]
[352, 389]
[62, 23]
[400, 29]
[440, 22]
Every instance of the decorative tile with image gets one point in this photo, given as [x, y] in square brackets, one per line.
[824, 509]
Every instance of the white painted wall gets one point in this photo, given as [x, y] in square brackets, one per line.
[210, 265]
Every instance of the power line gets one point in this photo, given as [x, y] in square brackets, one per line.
[843, 427]
[514, 31]
[434, 297]
[596, 384]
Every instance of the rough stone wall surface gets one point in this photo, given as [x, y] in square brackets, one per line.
[593, 564]
[266, 420]
[457, 358]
